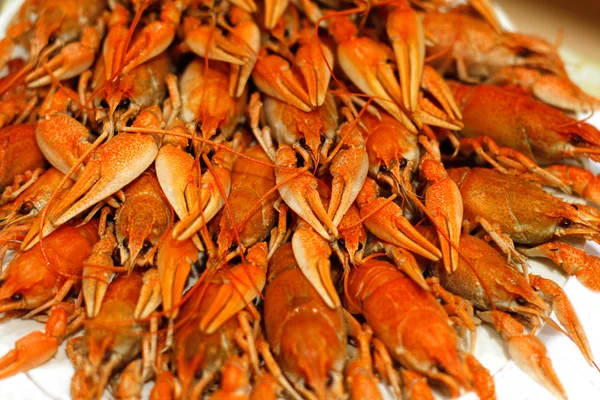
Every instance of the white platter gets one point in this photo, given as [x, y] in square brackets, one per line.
[52, 380]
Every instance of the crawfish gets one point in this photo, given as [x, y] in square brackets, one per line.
[28, 283]
[17, 103]
[111, 339]
[203, 340]
[205, 100]
[409, 321]
[250, 183]
[513, 210]
[540, 132]
[476, 50]
[57, 22]
[19, 152]
[307, 337]
[142, 220]
[486, 280]
[29, 200]
[142, 87]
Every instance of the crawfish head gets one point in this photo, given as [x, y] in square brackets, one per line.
[578, 139]
[141, 221]
[313, 362]
[26, 283]
[32, 277]
[393, 151]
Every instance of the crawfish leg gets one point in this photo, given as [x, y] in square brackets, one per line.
[565, 313]
[275, 370]
[502, 157]
[483, 382]
[278, 233]
[415, 386]
[505, 243]
[60, 295]
[385, 366]
[572, 260]
[455, 305]
[528, 352]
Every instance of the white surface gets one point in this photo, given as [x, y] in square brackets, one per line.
[52, 380]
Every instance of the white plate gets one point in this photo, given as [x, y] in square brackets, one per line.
[52, 380]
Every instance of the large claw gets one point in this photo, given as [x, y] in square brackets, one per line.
[274, 76]
[246, 283]
[386, 221]
[208, 41]
[315, 62]
[72, 60]
[528, 352]
[571, 259]
[274, 9]
[154, 38]
[435, 84]
[407, 263]
[178, 175]
[36, 348]
[97, 273]
[312, 254]
[555, 90]
[62, 140]
[246, 5]
[405, 30]
[208, 201]
[174, 261]
[245, 34]
[349, 170]
[299, 191]
[366, 63]
[445, 207]
[113, 49]
[582, 181]
[150, 295]
[113, 166]
[487, 11]
[564, 312]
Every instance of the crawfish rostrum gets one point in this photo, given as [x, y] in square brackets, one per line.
[252, 200]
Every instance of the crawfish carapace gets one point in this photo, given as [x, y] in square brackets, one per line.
[265, 199]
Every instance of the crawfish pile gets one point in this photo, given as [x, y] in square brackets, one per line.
[308, 199]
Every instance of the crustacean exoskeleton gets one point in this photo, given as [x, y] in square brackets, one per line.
[484, 278]
[400, 312]
[513, 210]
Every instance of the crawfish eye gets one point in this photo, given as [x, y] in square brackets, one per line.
[198, 374]
[26, 208]
[2, 282]
[524, 52]
[521, 301]
[103, 103]
[51, 39]
[116, 256]
[383, 168]
[575, 139]
[329, 380]
[146, 246]
[565, 222]
[124, 103]
[342, 242]
[16, 297]
[403, 163]
[126, 242]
